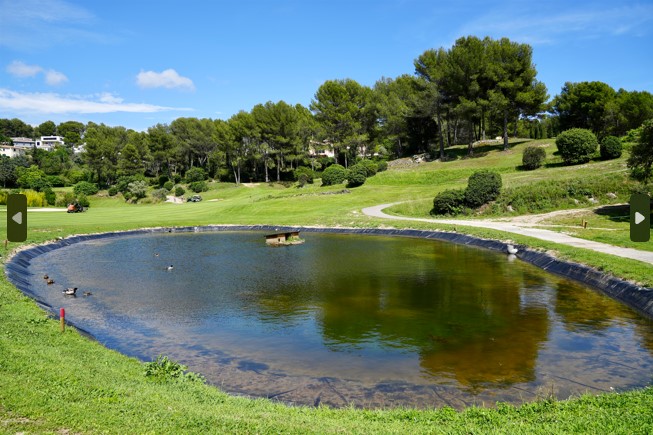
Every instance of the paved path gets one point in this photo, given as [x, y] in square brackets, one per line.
[511, 227]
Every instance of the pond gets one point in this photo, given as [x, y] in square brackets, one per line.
[349, 319]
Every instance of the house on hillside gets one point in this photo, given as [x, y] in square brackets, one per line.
[49, 142]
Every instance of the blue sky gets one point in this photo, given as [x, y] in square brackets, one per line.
[138, 63]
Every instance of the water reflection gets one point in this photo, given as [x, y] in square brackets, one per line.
[386, 320]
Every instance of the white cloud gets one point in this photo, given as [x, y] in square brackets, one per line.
[21, 69]
[107, 97]
[51, 103]
[168, 79]
[18, 68]
[54, 78]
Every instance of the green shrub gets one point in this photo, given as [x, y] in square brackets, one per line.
[50, 196]
[113, 191]
[449, 202]
[610, 148]
[3, 197]
[533, 157]
[138, 189]
[179, 191]
[640, 161]
[483, 186]
[123, 182]
[198, 186]
[83, 200]
[65, 198]
[166, 370]
[35, 199]
[576, 145]
[56, 180]
[86, 188]
[194, 175]
[382, 166]
[160, 194]
[168, 185]
[306, 173]
[371, 167]
[75, 176]
[163, 179]
[334, 174]
[356, 175]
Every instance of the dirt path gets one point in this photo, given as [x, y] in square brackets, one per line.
[524, 229]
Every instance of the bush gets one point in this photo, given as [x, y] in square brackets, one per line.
[533, 157]
[160, 194]
[163, 179]
[123, 182]
[356, 175]
[75, 176]
[86, 188]
[194, 175]
[113, 191]
[483, 186]
[382, 166]
[576, 145]
[371, 168]
[50, 196]
[56, 180]
[334, 174]
[306, 174]
[165, 370]
[168, 185]
[138, 189]
[35, 199]
[449, 202]
[83, 201]
[64, 199]
[179, 191]
[610, 148]
[198, 186]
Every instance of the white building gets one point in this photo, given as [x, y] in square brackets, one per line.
[11, 150]
[23, 142]
[49, 142]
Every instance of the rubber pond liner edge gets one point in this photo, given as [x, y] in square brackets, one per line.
[635, 297]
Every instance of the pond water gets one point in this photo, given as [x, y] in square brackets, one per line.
[347, 319]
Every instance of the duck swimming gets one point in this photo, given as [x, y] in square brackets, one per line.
[70, 291]
[50, 281]
[87, 293]
[46, 277]
[170, 267]
[512, 250]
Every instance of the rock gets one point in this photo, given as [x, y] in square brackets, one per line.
[592, 200]
[510, 209]
[576, 201]
[611, 195]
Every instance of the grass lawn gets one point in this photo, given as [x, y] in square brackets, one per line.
[65, 383]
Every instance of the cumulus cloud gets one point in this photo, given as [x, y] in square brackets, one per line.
[52, 103]
[168, 79]
[54, 78]
[18, 68]
[21, 69]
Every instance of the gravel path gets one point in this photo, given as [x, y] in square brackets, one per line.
[517, 228]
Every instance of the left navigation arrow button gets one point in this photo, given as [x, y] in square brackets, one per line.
[18, 218]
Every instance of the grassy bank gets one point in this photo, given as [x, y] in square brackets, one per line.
[65, 383]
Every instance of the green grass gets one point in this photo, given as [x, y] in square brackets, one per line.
[65, 383]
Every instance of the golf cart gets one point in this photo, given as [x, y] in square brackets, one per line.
[74, 207]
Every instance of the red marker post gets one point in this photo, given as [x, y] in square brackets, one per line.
[62, 319]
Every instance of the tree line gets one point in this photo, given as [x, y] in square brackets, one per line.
[476, 89]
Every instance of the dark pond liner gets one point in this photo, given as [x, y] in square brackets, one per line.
[638, 298]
